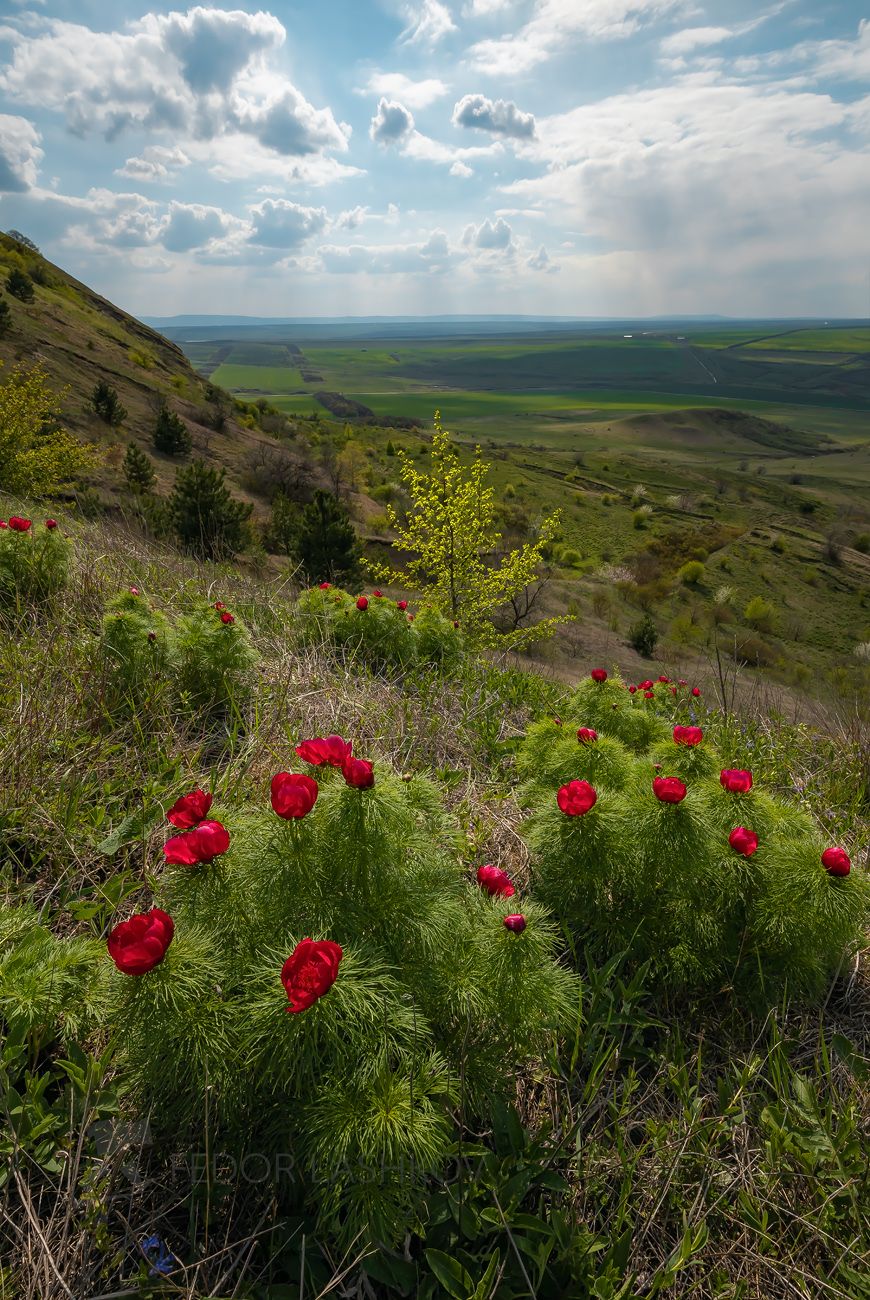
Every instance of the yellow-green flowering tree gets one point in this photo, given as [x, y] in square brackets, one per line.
[452, 540]
[37, 456]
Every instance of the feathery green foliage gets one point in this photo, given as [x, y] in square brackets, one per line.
[34, 567]
[380, 634]
[660, 880]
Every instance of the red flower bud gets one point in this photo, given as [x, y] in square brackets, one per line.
[586, 735]
[673, 690]
[189, 809]
[51, 523]
[410, 618]
[647, 685]
[516, 923]
[683, 682]
[200, 846]
[664, 680]
[669, 789]
[309, 972]
[836, 861]
[402, 605]
[632, 690]
[455, 623]
[576, 798]
[696, 691]
[227, 618]
[688, 735]
[219, 605]
[324, 749]
[496, 882]
[648, 695]
[138, 945]
[743, 841]
[735, 780]
[293, 795]
[598, 675]
[134, 591]
[362, 603]
[358, 772]
[377, 593]
[325, 586]
[152, 636]
[558, 721]
[3, 523]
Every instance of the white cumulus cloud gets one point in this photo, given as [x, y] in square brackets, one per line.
[499, 116]
[391, 122]
[20, 154]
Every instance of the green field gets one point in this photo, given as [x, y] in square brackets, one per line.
[256, 379]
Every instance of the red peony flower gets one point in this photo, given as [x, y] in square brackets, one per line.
[3, 523]
[743, 841]
[402, 605]
[683, 682]
[219, 605]
[647, 685]
[598, 675]
[358, 772]
[687, 735]
[293, 795]
[664, 680]
[190, 809]
[735, 780]
[669, 789]
[632, 690]
[362, 603]
[196, 847]
[310, 971]
[836, 861]
[648, 695]
[496, 882]
[324, 749]
[696, 691]
[377, 593]
[516, 923]
[138, 945]
[227, 618]
[19, 525]
[586, 735]
[576, 798]
[325, 586]
[51, 523]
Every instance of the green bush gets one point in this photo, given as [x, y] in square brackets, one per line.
[205, 517]
[5, 317]
[215, 660]
[759, 613]
[171, 435]
[107, 405]
[34, 564]
[691, 573]
[138, 470]
[137, 651]
[434, 1002]
[377, 629]
[20, 285]
[661, 881]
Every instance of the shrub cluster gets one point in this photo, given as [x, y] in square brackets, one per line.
[34, 563]
[204, 660]
[328, 975]
[379, 630]
[644, 842]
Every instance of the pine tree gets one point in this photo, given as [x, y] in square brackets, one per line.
[138, 470]
[325, 543]
[20, 285]
[106, 404]
[283, 528]
[205, 516]
[170, 433]
[5, 317]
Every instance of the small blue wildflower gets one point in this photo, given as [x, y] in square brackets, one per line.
[160, 1258]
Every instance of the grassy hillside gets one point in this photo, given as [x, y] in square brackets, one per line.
[662, 1143]
[80, 338]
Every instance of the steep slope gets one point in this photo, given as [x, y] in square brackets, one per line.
[80, 338]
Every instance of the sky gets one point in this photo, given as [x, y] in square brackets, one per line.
[415, 157]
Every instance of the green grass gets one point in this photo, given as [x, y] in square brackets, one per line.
[819, 340]
[255, 378]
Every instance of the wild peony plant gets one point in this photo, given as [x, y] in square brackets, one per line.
[663, 851]
[137, 647]
[215, 660]
[203, 663]
[336, 983]
[378, 630]
[34, 563]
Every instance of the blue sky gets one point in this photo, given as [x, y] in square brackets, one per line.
[332, 157]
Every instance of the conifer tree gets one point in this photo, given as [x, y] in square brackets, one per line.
[170, 433]
[138, 470]
[107, 405]
[206, 518]
[5, 317]
[325, 543]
